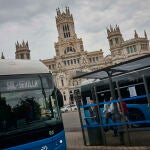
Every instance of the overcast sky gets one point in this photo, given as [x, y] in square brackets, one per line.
[34, 21]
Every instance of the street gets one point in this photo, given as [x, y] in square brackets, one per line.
[71, 121]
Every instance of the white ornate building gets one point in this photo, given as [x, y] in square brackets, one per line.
[70, 56]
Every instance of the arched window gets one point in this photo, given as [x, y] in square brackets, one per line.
[65, 28]
[68, 34]
[22, 56]
[68, 27]
[70, 92]
[69, 49]
[66, 31]
[111, 42]
[116, 40]
[62, 82]
[64, 96]
[64, 35]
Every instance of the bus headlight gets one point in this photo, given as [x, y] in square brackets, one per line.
[58, 142]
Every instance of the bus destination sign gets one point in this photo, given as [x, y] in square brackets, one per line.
[10, 85]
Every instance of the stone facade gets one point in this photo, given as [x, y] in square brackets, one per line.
[125, 50]
[71, 56]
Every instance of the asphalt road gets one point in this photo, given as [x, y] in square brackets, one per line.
[71, 121]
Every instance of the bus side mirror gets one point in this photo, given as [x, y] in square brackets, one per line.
[60, 99]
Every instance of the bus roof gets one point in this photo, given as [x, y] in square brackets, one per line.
[12, 67]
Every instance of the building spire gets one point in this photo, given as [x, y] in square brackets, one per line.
[111, 29]
[58, 11]
[67, 11]
[2, 56]
[107, 30]
[135, 34]
[117, 28]
[27, 44]
[145, 34]
[23, 43]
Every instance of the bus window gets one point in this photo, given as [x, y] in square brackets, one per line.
[27, 106]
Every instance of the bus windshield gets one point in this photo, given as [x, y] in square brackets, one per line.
[27, 102]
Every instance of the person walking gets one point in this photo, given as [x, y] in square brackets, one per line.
[107, 114]
[93, 110]
[122, 107]
[111, 115]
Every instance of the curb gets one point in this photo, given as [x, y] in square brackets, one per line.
[107, 148]
[75, 142]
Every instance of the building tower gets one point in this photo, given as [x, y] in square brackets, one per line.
[2, 56]
[22, 50]
[66, 33]
[69, 50]
[115, 40]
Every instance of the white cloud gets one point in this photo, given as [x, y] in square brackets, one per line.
[34, 21]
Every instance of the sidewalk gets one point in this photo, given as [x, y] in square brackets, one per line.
[75, 142]
[74, 136]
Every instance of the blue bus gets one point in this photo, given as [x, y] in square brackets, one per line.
[30, 116]
[132, 89]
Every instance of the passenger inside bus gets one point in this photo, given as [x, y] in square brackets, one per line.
[93, 110]
[122, 107]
